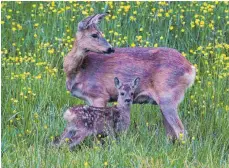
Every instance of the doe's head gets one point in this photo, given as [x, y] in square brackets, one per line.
[126, 91]
[90, 38]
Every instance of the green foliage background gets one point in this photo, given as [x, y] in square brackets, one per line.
[35, 36]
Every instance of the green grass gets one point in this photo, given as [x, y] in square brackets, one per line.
[34, 40]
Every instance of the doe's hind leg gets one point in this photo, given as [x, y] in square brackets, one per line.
[173, 125]
[171, 120]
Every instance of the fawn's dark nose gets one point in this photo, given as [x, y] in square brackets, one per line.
[128, 100]
[110, 50]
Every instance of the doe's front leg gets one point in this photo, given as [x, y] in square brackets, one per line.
[98, 102]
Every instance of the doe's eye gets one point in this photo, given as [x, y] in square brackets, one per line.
[94, 35]
[122, 94]
[132, 94]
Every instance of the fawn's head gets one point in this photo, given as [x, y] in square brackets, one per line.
[126, 91]
[90, 38]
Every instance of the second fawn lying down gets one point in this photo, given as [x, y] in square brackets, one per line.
[84, 120]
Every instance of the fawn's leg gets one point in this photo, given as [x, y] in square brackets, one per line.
[77, 138]
[67, 134]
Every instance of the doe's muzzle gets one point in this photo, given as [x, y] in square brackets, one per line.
[110, 50]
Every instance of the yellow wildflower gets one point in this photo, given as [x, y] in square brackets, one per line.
[36, 25]
[8, 16]
[51, 51]
[86, 164]
[132, 18]
[201, 23]
[126, 8]
[38, 77]
[132, 45]
[139, 38]
[19, 27]
[171, 28]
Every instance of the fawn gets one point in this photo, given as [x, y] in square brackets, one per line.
[84, 120]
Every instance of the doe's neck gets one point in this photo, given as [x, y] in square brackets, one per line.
[75, 58]
[78, 50]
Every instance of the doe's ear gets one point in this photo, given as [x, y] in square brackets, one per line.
[94, 19]
[117, 83]
[97, 18]
[135, 82]
[83, 24]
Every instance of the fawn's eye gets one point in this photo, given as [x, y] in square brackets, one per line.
[132, 94]
[94, 35]
[122, 94]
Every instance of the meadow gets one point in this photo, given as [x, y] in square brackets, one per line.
[35, 36]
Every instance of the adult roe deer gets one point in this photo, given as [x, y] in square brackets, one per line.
[165, 74]
[86, 120]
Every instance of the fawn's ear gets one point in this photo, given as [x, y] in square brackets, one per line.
[95, 19]
[135, 82]
[117, 83]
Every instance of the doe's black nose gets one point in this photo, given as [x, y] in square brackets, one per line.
[110, 50]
